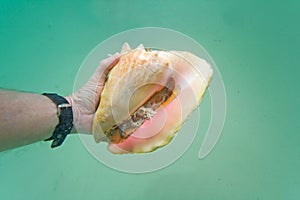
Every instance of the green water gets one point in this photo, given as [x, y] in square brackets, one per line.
[256, 47]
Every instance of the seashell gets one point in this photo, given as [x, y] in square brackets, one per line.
[147, 97]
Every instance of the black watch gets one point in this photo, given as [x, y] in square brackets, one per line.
[65, 115]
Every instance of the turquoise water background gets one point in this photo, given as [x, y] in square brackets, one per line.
[255, 45]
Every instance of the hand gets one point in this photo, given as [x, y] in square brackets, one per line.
[86, 100]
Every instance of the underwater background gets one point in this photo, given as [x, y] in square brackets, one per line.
[255, 45]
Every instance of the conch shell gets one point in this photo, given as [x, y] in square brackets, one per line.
[147, 96]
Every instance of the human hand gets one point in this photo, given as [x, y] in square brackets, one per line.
[86, 100]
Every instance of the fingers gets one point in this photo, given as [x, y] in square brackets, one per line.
[97, 81]
[104, 67]
[107, 62]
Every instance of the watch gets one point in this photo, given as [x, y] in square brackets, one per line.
[65, 116]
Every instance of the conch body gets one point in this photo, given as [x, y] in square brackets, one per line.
[147, 97]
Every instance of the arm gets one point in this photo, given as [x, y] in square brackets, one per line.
[26, 118]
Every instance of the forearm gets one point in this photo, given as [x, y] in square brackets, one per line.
[25, 118]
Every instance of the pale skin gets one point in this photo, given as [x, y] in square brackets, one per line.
[26, 118]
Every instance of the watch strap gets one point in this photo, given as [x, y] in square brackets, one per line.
[65, 115]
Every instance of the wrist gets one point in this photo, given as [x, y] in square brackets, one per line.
[75, 113]
[65, 116]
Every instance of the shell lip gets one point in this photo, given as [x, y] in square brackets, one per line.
[140, 115]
